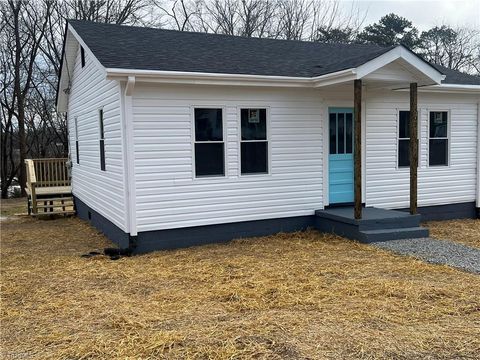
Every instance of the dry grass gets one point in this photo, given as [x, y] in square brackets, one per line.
[11, 207]
[466, 231]
[295, 296]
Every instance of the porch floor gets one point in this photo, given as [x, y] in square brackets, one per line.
[376, 224]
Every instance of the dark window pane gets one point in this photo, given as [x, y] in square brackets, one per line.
[101, 123]
[102, 155]
[438, 124]
[82, 55]
[333, 133]
[209, 159]
[254, 157]
[403, 153]
[254, 124]
[341, 134]
[208, 125]
[438, 149]
[404, 130]
[349, 133]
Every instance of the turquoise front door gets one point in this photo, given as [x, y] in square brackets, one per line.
[340, 158]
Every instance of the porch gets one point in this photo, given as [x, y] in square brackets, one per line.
[374, 225]
[49, 190]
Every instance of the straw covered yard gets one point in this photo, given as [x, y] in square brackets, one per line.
[289, 296]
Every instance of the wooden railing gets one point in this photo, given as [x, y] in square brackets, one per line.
[45, 173]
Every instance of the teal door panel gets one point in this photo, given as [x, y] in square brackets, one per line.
[340, 155]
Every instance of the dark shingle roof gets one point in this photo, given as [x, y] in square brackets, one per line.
[129, 47]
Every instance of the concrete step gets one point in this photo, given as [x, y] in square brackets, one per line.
[369, 236]
[408, 221]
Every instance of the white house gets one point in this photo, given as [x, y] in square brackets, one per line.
[181, 138]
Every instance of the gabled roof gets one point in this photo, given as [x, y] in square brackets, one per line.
[140, 48]
[129, 47]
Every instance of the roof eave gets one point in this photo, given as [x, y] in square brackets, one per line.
[199, 78]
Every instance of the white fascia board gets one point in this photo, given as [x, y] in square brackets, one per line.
[448, 88]
[62, 97]
[181, 77]
[400, 52]
[85, 47]
[452, 88]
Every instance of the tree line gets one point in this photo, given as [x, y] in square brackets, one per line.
[32, 31]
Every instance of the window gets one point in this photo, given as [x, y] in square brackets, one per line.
[341, 132]
[102, 140]
[209, 145]
[253, 143]
[438, 142]
[82, 56]
[76, 140]
[403, 138]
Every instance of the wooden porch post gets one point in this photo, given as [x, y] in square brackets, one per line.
[413, 124]
[357, 149]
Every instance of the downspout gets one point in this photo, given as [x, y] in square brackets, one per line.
[478, 159]
[128, 146]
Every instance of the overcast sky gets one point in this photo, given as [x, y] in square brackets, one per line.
[423, 13]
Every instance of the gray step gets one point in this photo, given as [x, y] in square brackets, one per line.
[409, 221]
[393, 234]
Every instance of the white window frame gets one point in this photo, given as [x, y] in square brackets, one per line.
[448, 138]
[224, 142]
[240, 141]
[419, 138]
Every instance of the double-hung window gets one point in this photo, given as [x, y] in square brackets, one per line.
[403, 158]
[77, 154]
[254, 141]
[403, 138]
[438, 139]
[102, 140]
[209, 144]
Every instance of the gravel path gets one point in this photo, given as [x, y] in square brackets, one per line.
[436, 251]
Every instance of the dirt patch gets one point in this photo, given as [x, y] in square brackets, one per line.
[466, 231]
[289, 296]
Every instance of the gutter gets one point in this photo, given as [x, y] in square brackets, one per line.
[181, 77]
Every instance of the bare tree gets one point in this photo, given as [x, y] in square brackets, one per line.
[24, 25]
[457, 49]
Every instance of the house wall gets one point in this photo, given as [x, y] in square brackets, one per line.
[102, 191]
[169, 196]
[167, 193]
[388, 186]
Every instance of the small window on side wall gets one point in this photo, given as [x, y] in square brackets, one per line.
[102, 140]
[209, 145]
[438, 139]
[254, 143]
[77, 154]
[82, 56]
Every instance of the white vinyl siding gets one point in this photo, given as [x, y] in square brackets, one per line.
[103, 191]
[387, 185]
[167, 193]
